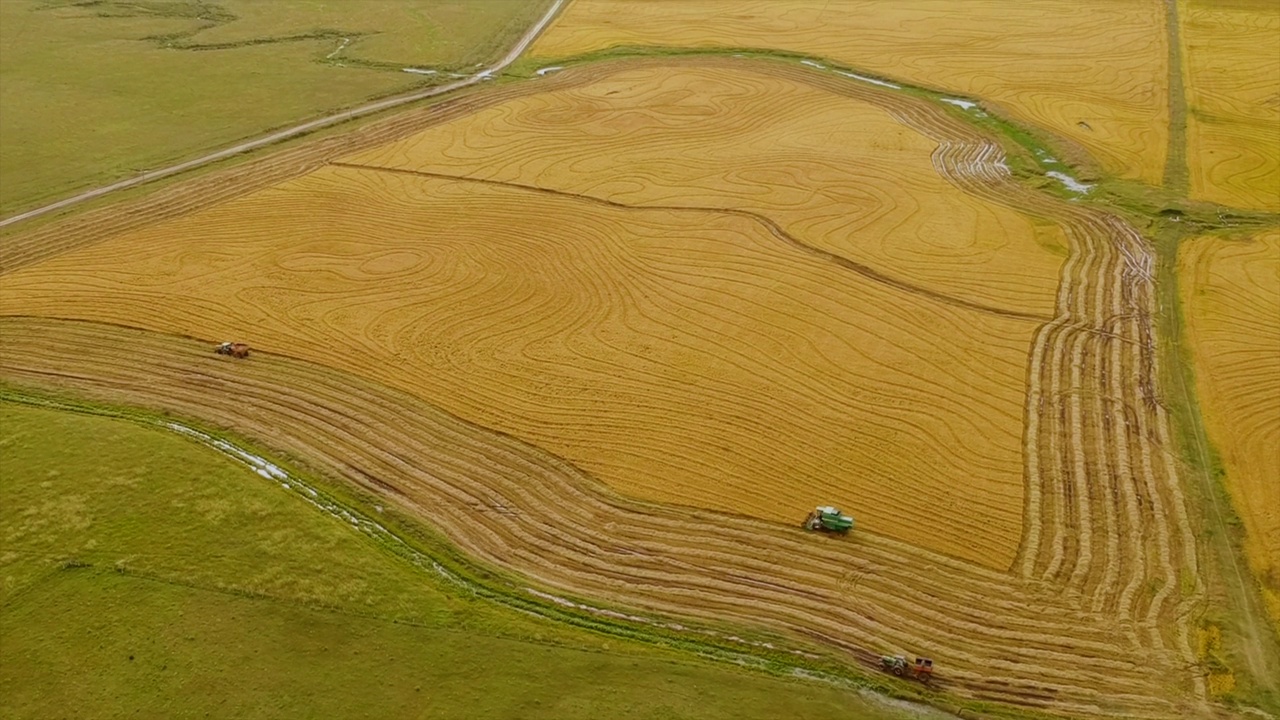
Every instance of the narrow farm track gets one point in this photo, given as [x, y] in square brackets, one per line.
[1000, 640]
[1092, 619]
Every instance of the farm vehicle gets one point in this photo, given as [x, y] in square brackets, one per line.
[233, 349]
[828, 519]
[922, 670]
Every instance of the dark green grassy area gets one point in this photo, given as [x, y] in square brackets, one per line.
[96, 91]
[108, 644]
[146, 575]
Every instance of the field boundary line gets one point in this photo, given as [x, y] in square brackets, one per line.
[772, 225]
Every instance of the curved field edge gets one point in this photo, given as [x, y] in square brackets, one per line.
[1031, 150]
[1028, 152]
[1161, 314]
[1010, 54]
[889, 596]
[124, 538]
[414, 542]
[1249, 651]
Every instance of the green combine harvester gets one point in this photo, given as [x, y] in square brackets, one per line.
[828, 519]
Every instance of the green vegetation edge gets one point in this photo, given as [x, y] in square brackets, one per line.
[410, 540]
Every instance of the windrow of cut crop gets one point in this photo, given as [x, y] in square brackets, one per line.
[514, 507]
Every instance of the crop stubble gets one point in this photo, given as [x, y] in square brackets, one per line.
[1231, 295]
[512, 505]
[1105, 522]
[1093, 71]
[834, 172]
[679, 356]
[1232, 71]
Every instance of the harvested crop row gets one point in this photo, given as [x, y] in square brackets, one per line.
[1093, 384]
[515, 507]
[1110, 267]
[1114, 384]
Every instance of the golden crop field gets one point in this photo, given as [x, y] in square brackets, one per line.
[1093, 71]
[514, 506]
[679, 356]
[835, 172]
[614, 330]
[1232, 71]
[1231, 292]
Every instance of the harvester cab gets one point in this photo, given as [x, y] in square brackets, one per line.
[828, 519]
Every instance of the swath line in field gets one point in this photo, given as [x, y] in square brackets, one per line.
[773, 227]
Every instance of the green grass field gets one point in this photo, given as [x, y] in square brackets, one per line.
[144, 574]
[95, 91]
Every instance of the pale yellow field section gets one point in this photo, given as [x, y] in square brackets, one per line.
[1231, 65]
[1094, 71]
[679, 356]
[1231, 296]
[836, 173]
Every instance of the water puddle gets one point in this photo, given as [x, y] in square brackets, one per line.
[418, 71]
[871, 80]
[813, 64]
[966, 104]
[1046, 158]
[1069, 182]
[549, 70]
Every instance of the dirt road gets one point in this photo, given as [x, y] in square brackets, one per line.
[373, 107]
